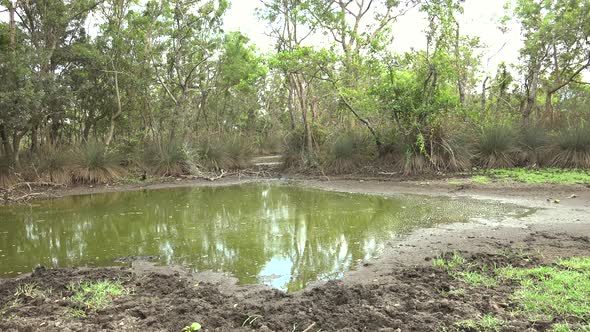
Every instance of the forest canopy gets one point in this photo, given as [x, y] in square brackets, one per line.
[160, 86]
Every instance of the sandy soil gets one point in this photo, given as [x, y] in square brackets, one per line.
[400, 291]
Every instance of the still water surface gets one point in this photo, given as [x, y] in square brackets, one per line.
[283, 236]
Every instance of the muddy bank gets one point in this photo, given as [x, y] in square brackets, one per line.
[399, 298]
[400, 291]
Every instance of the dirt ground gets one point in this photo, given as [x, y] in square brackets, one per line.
[400, 291]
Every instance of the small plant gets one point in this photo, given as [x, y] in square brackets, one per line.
[29, 290]
[96, 295]
[495, 147]
[456, 261]
[93, 163]
[193, 327]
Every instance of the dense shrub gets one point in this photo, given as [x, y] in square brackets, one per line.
[212, 154]
[495, 147]
[168, 158]
[295, 155]
[572, 149]
[93, 163]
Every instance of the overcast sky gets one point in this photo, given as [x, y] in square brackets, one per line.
[480, 19]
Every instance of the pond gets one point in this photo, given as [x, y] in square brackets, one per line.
[280, 235]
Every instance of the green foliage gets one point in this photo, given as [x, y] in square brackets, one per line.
[538, 176]
[573, 148]
[168, 158]
[96, 295]
[495, 147]
[93, 163]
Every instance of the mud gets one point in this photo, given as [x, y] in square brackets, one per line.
[399, 291]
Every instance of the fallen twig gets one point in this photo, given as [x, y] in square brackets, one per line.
[309, 327]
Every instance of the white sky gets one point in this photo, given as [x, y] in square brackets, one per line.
[480, 19]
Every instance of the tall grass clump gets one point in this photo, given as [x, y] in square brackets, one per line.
[348, 152]
[93, 163]
[495, 147]
[53, 165]
[532, 146]
[7, 176]
[238, 152]
[572, 149]
[431, 149]
[212, 154]
[168, 158]
[295, 152]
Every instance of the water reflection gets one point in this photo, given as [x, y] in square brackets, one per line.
[283, 236]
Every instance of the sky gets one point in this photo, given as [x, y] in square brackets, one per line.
[480, 19]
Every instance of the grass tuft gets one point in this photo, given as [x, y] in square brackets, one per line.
[53, 165]
[495, 147]
[96, 295]
[572, 149]
[348, 152]
[484, 323]
[93, 163]
[171, 158]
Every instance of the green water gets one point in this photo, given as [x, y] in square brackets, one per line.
[283, 236]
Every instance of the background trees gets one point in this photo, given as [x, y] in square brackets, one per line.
[164, 74]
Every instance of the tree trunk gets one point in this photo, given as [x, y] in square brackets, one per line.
[290, 105]
[34, 137]
[5, 142]
[483, 97]
[117, 114]
[533, 84]
[549, 106]
[16, 138]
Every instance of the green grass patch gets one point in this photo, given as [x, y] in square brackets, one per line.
[96, 295]
[539, 176]
[454, 262]
[565, 327]
[481, 179]
[553, 291]
[484, 323]
[476, 279]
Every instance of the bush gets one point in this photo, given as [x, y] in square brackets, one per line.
[495, 147]
[348, 152]
[532, 147]
[53, 165]
[572, 149]
[93, 163]
[170, 158]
